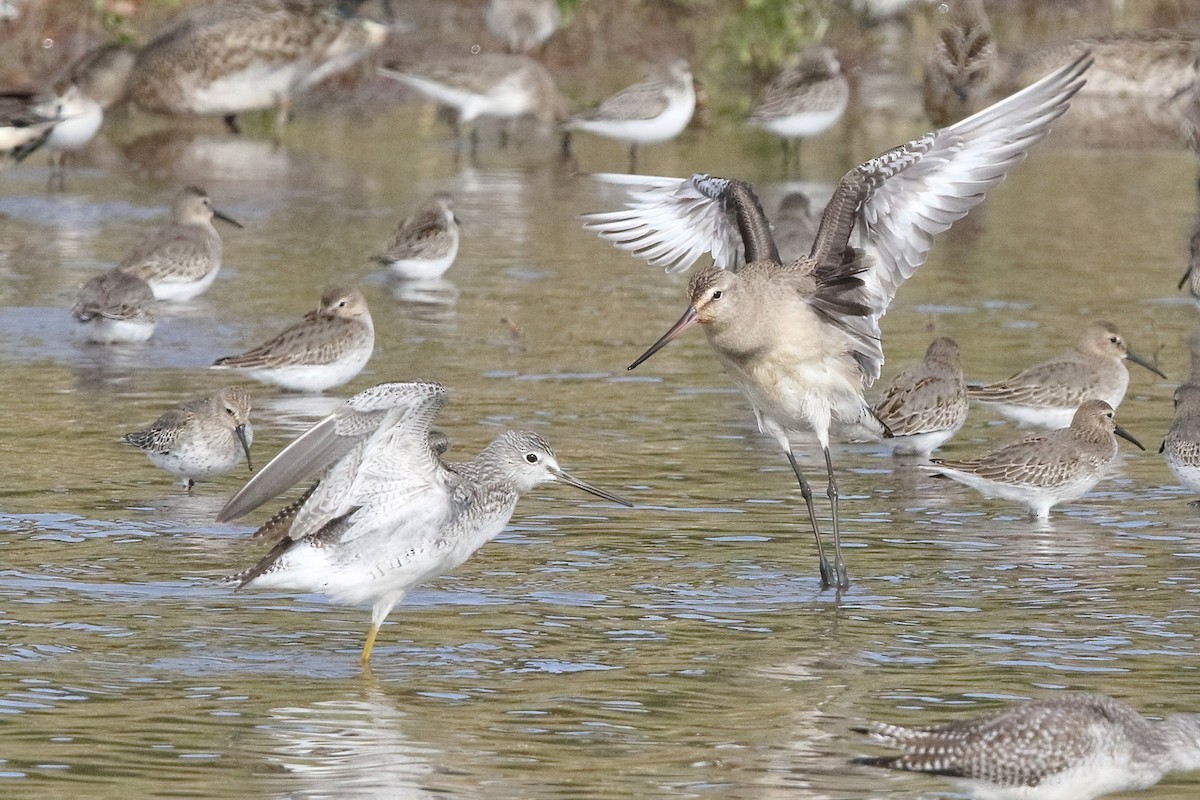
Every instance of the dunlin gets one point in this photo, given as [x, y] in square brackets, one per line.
[387, 512]
[655, 109]
[489, 85]
[327, 348]
[961, 67]
[181, 260]
[523, 25]
[1074, 747]
[1047, 394]
[1181, 447]
[1041, 470]
[794, 226]
[804, 100]
[91, 85]
[200, 439]
[802, 340]
[231, 57]
[425, 243]
[925, 404]
[115, 307]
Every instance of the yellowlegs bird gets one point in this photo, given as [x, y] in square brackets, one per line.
[925, 404]
[802, 340]
[243, 55]
[199, 439]
[1047, 394]
[326, 348]
[523, 25]
[181, 259]
[1074, 747]
[803, 100]
[1181, 446]
[488, 85]
[1041, 470]
[961, 67]
[387, 512]
[115, 307]
[425, 243]
[653, 110]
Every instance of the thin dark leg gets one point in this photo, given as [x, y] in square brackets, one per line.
[843, 581]
[806, 492]
[231, 123]
[632, 159]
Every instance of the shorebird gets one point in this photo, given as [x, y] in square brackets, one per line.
[387, 513]
[1191, 275]
[1181, 446]
[199, 439]
[90, 86]
[925, 404]
[181, 259]
[523, 25]
[244, 55]
[1047, 394]
[425, 243]
[495, 85]
[802, 340]
[961, 66]
[114, 308]
[794, 226]
[804, 100]
[26, 119]
[1041, 470]
[655, 109]
[327, 348]
[1074, 747]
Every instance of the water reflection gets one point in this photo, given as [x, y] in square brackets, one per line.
[431, 302]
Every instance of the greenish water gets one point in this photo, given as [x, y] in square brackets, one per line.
[680, 649]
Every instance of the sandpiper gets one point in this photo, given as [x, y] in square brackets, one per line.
[523, 25]
[925, 404]
[794, 226]
[115, 308]
[1047, 394]
[804, 100]
[1191, 275]
[26, 119]
[91, 85]
[960, 68]
[181, 259]
[495, 85]
[655, 109]
[1041, 470]
[1181, 446]
[387, 512]
[326, 348]
[425, 243]
[802, 340]
[200, 439]
[1074, 747]
[227, 58]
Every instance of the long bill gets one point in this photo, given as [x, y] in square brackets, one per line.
[240, 430]
[1127, 436]
[688, 319]
[571, 480]
[1141, 362]
[221, 215]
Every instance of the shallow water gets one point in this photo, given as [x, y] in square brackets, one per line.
[679, 649]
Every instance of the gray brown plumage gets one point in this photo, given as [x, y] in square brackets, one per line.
[925, 404]
[425, 242]
[201, 438]
[961, 67]
[116, 307]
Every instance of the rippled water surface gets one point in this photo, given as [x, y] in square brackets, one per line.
[679, 649]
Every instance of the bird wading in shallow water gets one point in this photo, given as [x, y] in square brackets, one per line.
[802, 340]
[388, 512]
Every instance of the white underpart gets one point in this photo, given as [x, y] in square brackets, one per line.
[117, 331]
[667, 125]
[424, 269]
[197, 460]
[179, 290]
[1037, 500]
[508, 99]
[804, 123]
[257, 86]
[313, 377]
[919, 444]
[82, 117]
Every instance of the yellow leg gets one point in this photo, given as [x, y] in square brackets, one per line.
[365, 658]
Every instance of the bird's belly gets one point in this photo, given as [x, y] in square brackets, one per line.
[799, 394]
[256, 86]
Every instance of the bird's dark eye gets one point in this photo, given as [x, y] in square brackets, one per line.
[230, 411]
[1113, 339]
[531, 458]
[716, 295]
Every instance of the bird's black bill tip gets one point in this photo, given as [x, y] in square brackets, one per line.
[1141, 362]
[688, 319]
[221, 215]
[1127, 436]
